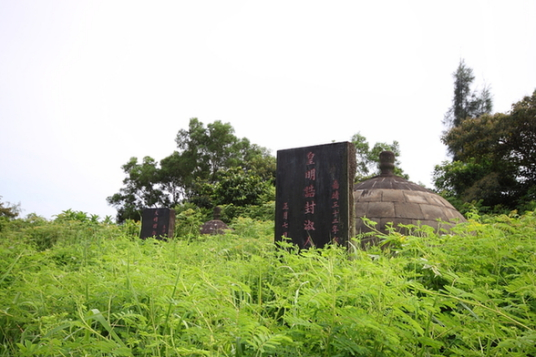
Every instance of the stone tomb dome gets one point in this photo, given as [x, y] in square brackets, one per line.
[390, 198]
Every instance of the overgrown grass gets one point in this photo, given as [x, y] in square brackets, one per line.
[97, 290]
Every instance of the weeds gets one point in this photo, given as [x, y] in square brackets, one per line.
[96, 290]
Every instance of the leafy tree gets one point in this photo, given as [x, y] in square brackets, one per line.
[141, 189]
[175, 177]
[259, 160]
[368, 159]
[8, 210]
[241, 188]
[495, 158]
[516, 135]
[467, 103]
[80, 216]
[471, 181]
[210, 149]
[207, 152]
[190, 173]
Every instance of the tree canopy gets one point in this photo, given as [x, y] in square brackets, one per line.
[142, 188]
[495, 158]
[467, 103]
[368, 158]
[204, 155]
[9, 210]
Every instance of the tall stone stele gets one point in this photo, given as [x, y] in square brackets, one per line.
[314, 197]
[388, 199]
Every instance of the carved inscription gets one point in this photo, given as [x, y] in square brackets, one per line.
[157, 222]
[314, 204]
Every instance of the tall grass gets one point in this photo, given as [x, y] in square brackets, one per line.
[103, 292]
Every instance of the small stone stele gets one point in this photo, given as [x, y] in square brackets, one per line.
[215, 226]
[158, 223]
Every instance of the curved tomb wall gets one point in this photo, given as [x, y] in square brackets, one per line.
[416, 207]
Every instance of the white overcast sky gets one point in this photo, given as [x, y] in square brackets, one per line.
[85, 85]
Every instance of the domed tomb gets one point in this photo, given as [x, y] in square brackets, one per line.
[389, 198]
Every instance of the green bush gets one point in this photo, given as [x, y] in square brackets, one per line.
[264, 212]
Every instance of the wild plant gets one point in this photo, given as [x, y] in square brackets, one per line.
[103, 292]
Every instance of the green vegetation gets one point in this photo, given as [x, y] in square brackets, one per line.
[7, 212]
[79, 287]
[213, 167]
[493, 165]
[209, 160]
[494, 160]
[367, 158]
[467, 103]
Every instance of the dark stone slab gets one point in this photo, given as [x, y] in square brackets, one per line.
[314, 194]
[158, 223]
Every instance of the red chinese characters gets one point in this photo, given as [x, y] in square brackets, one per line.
[313, 194]
[335, 223]
[311, 174]
[310, 207]
[310, 156]
[309, 225]
[155, 224]
[309, 193]
[285, 219]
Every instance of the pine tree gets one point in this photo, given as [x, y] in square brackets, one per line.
[467, 103]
